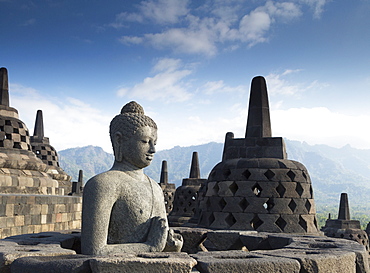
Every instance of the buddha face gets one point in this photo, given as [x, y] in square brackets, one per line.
[139, 149]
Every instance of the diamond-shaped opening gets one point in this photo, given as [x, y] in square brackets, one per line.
[243, 204]
[211, 219]
[230, 220]
[222, 203]
[281, 223]
[257, 190]
[292, 205]
[311, 191]
[281, 190]
[299, 189]
[269, 174]
[351, 236]
[269, 204]
[308, 206]
[216, 188]
[226, 173]
[246, 174]
[304, 175]
[233, 188]
[291, 175]
[256, 222]
[302, 222]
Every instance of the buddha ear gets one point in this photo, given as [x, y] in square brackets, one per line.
[117, 146]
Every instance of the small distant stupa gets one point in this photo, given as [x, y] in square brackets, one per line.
[344, 227]
[186, 196]
[43, 150]
[167, 188]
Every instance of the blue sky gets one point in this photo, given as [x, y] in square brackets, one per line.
[190, 64]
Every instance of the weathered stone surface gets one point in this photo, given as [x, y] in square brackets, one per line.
[226, 239]
[123, 209]
[10, 251]
[254, 179]
[193, 238]
[144, 262]
[241, 261]
[55, 264]
[185, 204]
[315, 261]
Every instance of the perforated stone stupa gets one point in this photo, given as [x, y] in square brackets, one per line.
[256, 187]
[186, 196]
[20, 170]
[344, 227]
[167, 188]
[43, 150]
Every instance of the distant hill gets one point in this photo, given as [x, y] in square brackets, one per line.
[332, 170]
[91, 159]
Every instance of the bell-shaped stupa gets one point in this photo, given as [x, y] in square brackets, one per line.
[256, 187]
[41, 147]
[20, 170]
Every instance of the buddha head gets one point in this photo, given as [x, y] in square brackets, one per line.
[133, 136]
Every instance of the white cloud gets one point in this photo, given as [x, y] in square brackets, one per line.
[317, 6]
[319, 125]
[67, 122]
[277, 84]
[167, 85]
[127, 40]
[254, 26]
[160, 12]
[213, 87]
[181, 40]
[204, 34]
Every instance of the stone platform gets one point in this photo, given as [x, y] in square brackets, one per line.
[209, 251]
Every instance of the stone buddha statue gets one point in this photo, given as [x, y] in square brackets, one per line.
[123, 209]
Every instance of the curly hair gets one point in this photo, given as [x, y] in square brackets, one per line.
[130, 120]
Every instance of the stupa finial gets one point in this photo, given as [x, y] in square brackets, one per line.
[344, 207]
[258, 124]
[194, 169]
[4, 87]
[164, 173]
[39, 125]
[80, 176]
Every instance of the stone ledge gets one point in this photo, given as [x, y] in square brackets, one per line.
[272, 253]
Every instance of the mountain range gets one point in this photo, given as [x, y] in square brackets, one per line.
[332, 170]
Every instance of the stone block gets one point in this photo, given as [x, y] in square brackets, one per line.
[243, 221]
[192, 238]
[245, 188]
[55, 264]
[232, 204]
[224, 188]
[315, 261]
[225, 239]
[10, 251]
[145, 262]
[243, 262]
[9, 210]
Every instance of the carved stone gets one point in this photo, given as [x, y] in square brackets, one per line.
[344, 227]
[186, 196]
[43, 150]
[123, 209]
[256, 187]
[167, 188]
